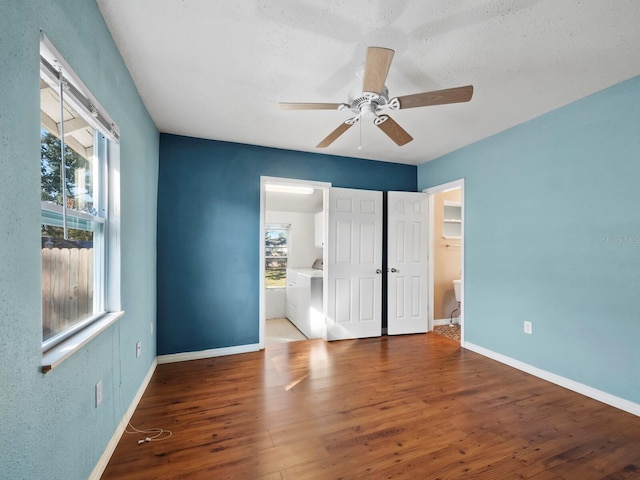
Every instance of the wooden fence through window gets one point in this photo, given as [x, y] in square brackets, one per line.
[67, 288]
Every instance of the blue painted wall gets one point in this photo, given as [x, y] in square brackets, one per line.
[49, 427]
[552, 236]
[209, 232]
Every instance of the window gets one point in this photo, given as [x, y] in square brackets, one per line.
[77, 150]
[276, 243]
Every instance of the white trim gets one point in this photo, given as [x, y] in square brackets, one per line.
[112, 234]
[63, 350]
[325, 254]
[446, 321]
[430, 255]
[594, 393]
[445, 187]
[213, 352]
[98, 470]
[262, 309]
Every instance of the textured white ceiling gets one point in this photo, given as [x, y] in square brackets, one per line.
[217, 69]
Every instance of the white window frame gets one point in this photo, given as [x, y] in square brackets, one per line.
[106, 221]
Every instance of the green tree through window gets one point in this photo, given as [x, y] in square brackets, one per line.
[50, 169]
[276, 241]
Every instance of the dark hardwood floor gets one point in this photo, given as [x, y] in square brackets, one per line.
[406, 407]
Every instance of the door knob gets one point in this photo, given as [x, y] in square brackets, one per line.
[393, 270]
[378, 271]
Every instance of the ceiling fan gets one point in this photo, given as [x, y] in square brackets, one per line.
[374, 100]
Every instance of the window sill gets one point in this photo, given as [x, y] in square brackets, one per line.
[58, 354]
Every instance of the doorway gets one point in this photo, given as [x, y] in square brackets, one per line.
[291, 240]
[446, 249]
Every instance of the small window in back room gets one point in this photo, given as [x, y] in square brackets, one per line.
[276, 244]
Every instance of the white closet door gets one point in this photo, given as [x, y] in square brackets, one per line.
[354, 264]
[407, 261]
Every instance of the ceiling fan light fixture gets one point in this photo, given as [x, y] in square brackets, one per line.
[368, 110]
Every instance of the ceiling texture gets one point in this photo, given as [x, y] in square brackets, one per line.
[217, 69]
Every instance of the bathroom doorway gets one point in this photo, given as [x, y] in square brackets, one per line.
[446, 208]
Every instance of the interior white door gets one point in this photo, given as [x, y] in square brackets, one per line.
[407, 263]
[354, 264]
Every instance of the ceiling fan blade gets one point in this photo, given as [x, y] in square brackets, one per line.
[376, 69]
[394, 131]
[437, 97]
[308, 106]
[343, 127]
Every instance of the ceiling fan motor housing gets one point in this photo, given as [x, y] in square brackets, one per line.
[368, 104]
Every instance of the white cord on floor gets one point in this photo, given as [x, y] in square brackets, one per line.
[149, 438]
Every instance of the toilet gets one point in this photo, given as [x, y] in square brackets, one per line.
[456, 289]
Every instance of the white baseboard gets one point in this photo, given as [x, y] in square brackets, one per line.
[213, 352]
[446, 321]
[604, 397]
[115, 438]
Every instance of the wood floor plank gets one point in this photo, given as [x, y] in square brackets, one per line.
[406, 407]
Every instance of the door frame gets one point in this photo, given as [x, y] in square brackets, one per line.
[445, 187]
[263, 200]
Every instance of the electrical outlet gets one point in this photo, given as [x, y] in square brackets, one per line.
[528, 328]
[138, 348]
[98, 393]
